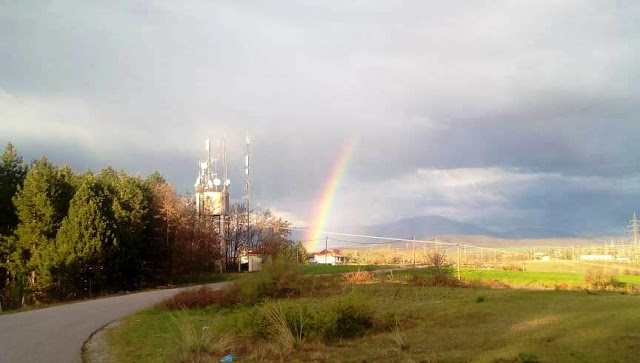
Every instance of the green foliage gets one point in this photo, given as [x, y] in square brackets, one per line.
[12, 174]
[291, 322]
[527, 358]
[480, 299]
[438, 272]
[278, 278]
[42, 203]
[349, 317]
[87, 238]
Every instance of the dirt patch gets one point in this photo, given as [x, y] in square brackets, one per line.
[95, 349]
[525, 325]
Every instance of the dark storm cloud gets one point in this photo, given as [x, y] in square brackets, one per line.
[510, 89]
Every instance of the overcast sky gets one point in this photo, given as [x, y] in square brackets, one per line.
[505, 114]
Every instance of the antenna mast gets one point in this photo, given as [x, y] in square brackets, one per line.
[634, 224]
[247, 187]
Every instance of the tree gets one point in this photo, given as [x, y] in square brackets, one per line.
[41, 205]
[86, 241]
[12, 174]
[130, 206]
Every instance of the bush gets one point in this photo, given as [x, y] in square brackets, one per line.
[527, 358]
[597, 278]
[199, 298]
[289, 323]
[199, 341]
[437, 273]
[359, 277]
[480, 299]
[348, 317]
[277, 279]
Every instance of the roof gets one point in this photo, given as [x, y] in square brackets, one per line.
[335, 253]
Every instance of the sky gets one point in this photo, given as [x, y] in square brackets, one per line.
[501, 113]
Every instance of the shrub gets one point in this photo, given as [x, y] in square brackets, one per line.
[277, 279]
[480, 299]
[290, 323]
[527, 358]
[198, 341]
[348, 317]
[437, 273]
[199, 298]
[597, 278]
[359, 277]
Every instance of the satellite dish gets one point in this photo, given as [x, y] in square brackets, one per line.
[203, 166]
[227, 182]
[216, 182]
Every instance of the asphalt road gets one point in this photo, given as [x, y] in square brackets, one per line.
[56, 334]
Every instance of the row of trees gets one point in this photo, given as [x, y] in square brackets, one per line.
[67, 235]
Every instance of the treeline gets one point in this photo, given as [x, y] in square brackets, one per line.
[65, 235]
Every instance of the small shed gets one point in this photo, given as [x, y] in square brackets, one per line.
[256, 257]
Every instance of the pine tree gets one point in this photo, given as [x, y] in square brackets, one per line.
[131, 211]
[86, 241]
[41, 205]
[12, 174]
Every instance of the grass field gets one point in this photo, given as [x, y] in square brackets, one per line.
[337, 269]
[428, 324]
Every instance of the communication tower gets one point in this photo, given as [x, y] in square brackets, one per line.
[212, 189]
[634, 226]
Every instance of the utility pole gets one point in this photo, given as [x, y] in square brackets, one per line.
[459, 276]
[634, 224]
[414, 251]
[326, 249]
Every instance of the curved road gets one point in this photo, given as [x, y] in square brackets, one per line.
[56, 334]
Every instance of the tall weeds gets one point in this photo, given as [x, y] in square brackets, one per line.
[199, 341]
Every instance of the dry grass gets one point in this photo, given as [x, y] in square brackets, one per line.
[200, 298]
[359, 277]
[534, 323]
[199, 342]
[598, 278]
[287, 337]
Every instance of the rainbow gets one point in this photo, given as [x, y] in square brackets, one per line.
[323, 208]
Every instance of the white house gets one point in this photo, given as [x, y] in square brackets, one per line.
[328, 257]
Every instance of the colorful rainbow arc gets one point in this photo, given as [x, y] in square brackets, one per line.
[328, 195]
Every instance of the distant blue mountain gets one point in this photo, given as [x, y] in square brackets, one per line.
[425, 227]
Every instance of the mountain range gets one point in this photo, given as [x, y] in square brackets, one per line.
[430, 226]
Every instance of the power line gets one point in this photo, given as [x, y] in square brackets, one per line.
[437, 243]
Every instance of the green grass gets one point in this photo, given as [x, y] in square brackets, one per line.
[432, 324]
[337, 269]
[538, 278]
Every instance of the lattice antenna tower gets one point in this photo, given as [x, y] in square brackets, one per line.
[634, 225]
[247, 188]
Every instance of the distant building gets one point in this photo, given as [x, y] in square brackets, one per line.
[328, 257]
[596, 258]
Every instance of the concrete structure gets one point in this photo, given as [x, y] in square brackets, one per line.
[255, 258]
